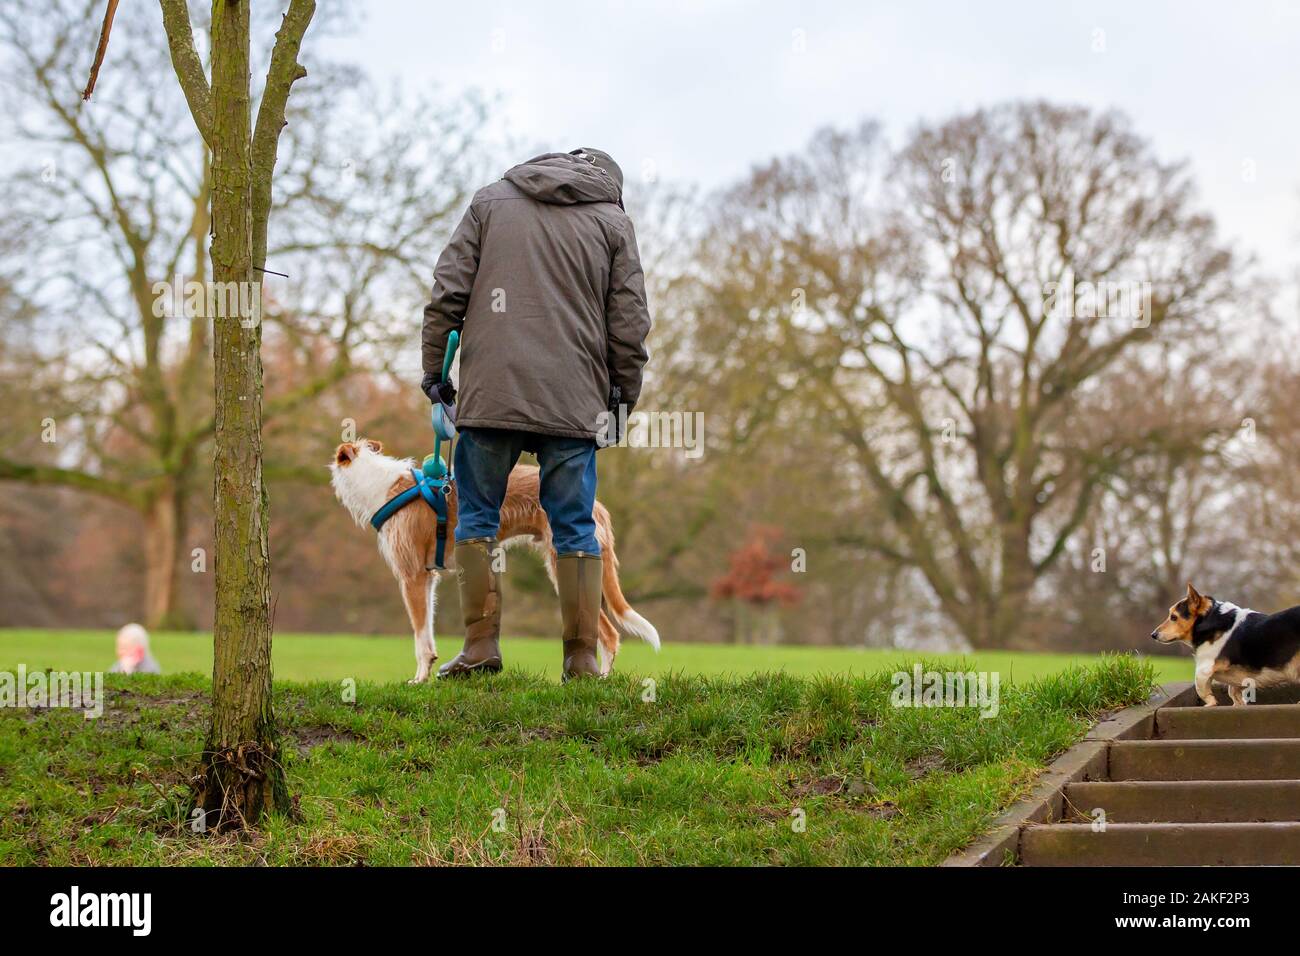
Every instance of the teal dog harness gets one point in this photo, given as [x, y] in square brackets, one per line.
[434, 491]
[432, 480]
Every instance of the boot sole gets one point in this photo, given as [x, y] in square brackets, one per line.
[485, 667]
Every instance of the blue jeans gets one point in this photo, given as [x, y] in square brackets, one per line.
[484, 459]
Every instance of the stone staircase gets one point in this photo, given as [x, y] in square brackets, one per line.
[1187, 786]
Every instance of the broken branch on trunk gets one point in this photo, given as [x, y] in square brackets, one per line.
[105, 29]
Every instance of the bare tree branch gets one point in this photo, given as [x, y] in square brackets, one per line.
[282, 73]
[189, 68]
[68, 478]
[101, 49]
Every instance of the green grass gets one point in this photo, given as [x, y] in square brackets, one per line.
[516, 769]
[302, 657]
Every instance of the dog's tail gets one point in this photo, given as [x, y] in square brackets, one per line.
[628, 622]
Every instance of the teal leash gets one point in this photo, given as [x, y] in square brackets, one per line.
[444, 429]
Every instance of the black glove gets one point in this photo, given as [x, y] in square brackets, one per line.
[438, 390]
[612, 406]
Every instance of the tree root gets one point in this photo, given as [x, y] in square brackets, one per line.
[236, 785]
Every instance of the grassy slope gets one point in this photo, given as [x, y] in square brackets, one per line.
[334, 657]
[708, 773]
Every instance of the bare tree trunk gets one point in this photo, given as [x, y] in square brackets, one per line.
[242, 776]
[164, 538]
[997, 619]
[1014, 587]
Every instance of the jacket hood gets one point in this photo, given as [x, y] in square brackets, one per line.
[563, 180]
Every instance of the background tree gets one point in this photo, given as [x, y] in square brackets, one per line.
[913, 325]
[1178, 512]
[112, 198]
[753, 586]
[124, 175]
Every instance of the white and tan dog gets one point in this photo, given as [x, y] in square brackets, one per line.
[364, 479]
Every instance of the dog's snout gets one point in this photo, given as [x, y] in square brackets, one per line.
[1155, 635]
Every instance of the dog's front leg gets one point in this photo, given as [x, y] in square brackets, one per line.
[1238, 698]
[1203, 689]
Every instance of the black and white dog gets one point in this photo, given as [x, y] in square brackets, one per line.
[1234, 645]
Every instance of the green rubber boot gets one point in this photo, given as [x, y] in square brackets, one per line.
[480, 602]
[578, 579]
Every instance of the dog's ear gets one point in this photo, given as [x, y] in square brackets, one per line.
[375, 446]
[1195, 602]
[345, 453]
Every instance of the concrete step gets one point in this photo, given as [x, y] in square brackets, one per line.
[1185, 801]
[1217, 723]
[1276, 694]
[1249, 759]
[1161, 844]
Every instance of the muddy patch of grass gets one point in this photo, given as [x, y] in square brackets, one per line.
[304, 739]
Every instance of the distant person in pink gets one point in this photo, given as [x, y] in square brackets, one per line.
[133, 655]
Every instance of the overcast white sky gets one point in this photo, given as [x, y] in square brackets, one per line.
[705, 88]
